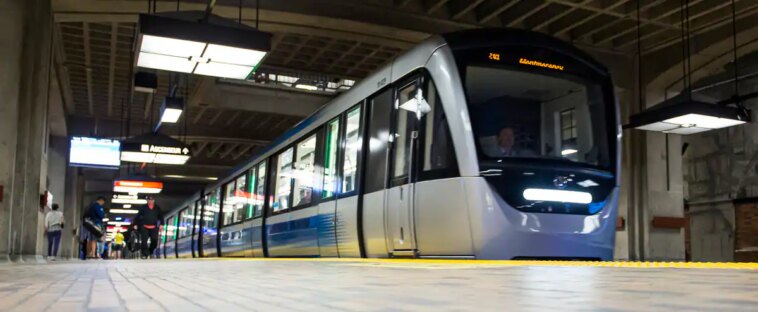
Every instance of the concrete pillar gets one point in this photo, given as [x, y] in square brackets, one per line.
[25, 59]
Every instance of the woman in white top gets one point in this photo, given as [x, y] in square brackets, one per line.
[53, 227]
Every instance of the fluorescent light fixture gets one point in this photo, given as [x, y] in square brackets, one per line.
[138, 187]
[560, 196]
[127, 206]
[306, 87]
[681, 115]
[187, 42]
[171, 109]
[118, 223]
[176, 176]
[106, 219]
[568, 151]
[124, 211]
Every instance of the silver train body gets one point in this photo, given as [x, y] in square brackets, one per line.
[399, 201]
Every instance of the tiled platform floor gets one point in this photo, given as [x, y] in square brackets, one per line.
[308, 285]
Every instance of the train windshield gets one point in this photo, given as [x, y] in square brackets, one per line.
[533, 110]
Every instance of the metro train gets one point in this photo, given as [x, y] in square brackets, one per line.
[481, 144]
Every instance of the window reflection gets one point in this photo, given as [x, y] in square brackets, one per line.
[283, 186]
[260, 191]
[229, 199]
[305, 171]
[241, 198]
[352, 147]
[330, 159]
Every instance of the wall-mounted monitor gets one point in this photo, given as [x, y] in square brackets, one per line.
[95, 153]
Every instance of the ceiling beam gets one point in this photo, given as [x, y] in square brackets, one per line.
[248, 120]
[88, 69]
[214, 149]
[112, 68]
[743, 12]
[148, 105]
[615, 22]
[199, 149]
[472, 5]
[498, 11]
[296, 52]
[320, 52]
[63, 74]
[597, 12]
[233, 118]
[215, 118]
[558, 16]
[228, 151]
[609, 11]
[242, 151]
[199, 115]
[516, 21]
[674, 10]
[262, 123]
[344, 53]
[365, 57]
[435, 6]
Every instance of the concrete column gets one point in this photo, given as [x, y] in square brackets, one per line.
[11, 38]
[25, 56]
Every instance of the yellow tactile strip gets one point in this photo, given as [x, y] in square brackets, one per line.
[613, 264]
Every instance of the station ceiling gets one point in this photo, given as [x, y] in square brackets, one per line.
[94, 40]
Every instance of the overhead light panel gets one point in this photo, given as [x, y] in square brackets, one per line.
[186, 42]
[124, 211]
[680, 115]
[559, 196]
[171, 109]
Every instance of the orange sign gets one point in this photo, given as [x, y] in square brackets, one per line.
[539, 64]
[142, 184]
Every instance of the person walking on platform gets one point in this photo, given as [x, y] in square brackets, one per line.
[117, 245]
[148, 219]
[53, 228]
[92, 230]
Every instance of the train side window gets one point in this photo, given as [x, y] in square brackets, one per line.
[240, 199]
[405, 123]
[228, 204]
[305, 171]
[212, 207]
[185, 222]
[260, 190]
[283, 186]
[330, 158]
[352, 149]
[171, 229]
[378, 133]
[250, 193]
[196, 215]
[439, 154]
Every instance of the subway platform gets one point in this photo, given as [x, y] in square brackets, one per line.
[375, 285]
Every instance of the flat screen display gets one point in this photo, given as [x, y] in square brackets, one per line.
[96, 153]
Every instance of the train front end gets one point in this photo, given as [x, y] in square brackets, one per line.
[544, 122]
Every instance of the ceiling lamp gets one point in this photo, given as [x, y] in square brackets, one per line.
[127, 199]
[124, 211]
[137, 187]
[679, 115]
[191, 42]
[171, 109]
[155, 148]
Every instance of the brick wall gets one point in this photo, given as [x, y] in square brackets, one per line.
[746, 231]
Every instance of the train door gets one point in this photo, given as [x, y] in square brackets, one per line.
[400, 196]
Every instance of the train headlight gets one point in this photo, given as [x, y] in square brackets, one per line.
[557, 196]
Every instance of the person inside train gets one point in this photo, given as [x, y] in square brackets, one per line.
[506, 141]
[148, 221]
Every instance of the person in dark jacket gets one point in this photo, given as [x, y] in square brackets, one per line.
[96, 212]
[148, 220]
